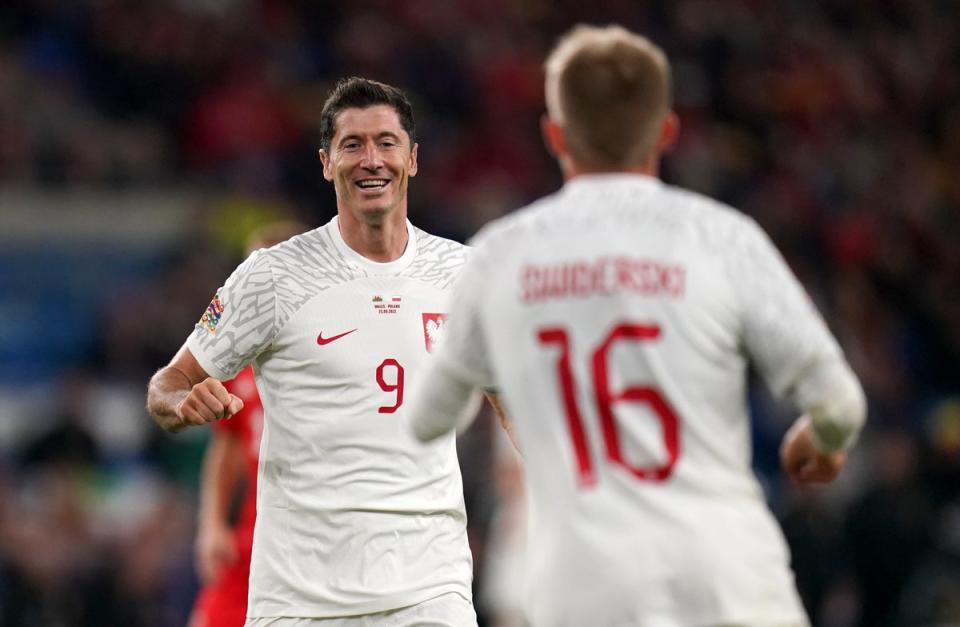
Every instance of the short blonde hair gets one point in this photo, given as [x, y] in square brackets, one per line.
[610, 90]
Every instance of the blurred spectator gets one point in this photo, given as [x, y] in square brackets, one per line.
[889, 528]
[67, 445]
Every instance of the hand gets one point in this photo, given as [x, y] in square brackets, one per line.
[215, 550]
[208, 401]
[803, 462]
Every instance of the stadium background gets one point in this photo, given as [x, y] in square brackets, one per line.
[140, 142]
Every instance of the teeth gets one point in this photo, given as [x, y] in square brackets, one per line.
[372, 183]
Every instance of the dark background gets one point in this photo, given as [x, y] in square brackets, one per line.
[140, 142]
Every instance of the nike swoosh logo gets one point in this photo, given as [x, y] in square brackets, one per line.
[323, 341]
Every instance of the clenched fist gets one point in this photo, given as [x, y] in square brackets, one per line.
[803, 462]
[207, 401]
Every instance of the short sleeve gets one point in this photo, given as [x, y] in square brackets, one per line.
[783, 332]
[464, 349]
[240, 322]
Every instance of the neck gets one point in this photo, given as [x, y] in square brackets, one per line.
[381, 241]
[572, 169]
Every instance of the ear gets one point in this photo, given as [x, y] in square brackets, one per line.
[413, 161]
[327, 166]
[553, 136]
[669, 131]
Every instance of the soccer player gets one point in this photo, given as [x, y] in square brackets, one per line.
[617, 318]
[357, 522]
[230, 465]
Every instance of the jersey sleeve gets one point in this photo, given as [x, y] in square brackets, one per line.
[464, 351]
[783, 333]
[240, 322]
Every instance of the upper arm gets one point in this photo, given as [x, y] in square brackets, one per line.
[464, 349]
[792, 346]
[783, 333]
[448, 396]
[240, 322]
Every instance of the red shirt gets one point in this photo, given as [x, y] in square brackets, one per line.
[247, 425]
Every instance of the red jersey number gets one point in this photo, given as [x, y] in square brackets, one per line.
[391, 368]
[606, 400]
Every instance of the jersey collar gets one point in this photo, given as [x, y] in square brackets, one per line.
[590, 180]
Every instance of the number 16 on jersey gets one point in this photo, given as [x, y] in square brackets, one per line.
[606, 400]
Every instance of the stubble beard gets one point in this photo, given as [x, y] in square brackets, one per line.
[374, 217]
[378, 216]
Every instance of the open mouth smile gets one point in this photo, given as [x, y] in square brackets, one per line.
[372, 185]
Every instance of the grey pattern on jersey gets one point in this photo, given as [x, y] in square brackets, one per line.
[438, 260]
[265, 291]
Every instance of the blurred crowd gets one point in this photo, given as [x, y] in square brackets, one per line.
[836, 124]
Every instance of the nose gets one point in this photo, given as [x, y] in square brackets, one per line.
[372, 159]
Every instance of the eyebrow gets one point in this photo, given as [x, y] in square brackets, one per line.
[379, 135]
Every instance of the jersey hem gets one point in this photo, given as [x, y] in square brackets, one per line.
[358, 609]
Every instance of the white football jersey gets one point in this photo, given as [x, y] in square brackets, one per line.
[354, 516]
[617, 318]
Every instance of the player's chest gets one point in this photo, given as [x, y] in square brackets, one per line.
[349, 328]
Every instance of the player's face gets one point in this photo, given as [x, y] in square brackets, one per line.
[370, 162]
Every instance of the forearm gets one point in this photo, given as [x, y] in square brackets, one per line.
[505, 421]
[446, 403]
[166, 391]
[830, 394]
[220, 475]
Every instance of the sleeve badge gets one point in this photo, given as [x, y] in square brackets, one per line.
[211, 317]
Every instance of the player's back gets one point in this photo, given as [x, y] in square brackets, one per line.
[617, 309]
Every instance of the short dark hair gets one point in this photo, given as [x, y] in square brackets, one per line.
[360, 93]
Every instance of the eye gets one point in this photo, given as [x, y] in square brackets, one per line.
[350, 146]
[388, 143]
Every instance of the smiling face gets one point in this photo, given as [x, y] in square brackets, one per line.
[370, 161]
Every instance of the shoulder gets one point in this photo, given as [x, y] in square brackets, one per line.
[699, 208]
[436, 246]
[310, 260]
[314, 241]
[439, 260]
[712, 223]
